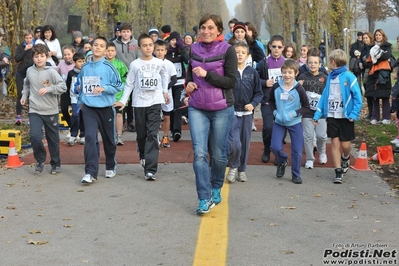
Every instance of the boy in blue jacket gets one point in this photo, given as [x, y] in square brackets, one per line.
[340, 103]
[247, 95]
[288, 101]
[98, 83]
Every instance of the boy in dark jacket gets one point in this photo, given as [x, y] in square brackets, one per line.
[247, 95]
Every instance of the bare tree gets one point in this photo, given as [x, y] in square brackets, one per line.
[376, 10]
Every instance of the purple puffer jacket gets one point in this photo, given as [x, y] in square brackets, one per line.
[211, 57]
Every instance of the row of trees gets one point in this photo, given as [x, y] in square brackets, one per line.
[307, 20]
[290, 18]
[100, 17]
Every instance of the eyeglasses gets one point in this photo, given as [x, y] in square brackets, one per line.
[275, 46]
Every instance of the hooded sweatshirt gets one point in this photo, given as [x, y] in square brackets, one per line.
[36, 79]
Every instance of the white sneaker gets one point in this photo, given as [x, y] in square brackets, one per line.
[231, 176]
[323, 158]
[110, 173]
[309, 165]
[184, 119]
[395, 141]
[71, 141]
[242, 177]
[150, 177]
[87, 179]
[386, 122]
[82, 141]
[253, 126]
[374, 122]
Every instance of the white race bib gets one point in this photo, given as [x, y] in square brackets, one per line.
[147, 81]
[313, 99]
[179, 70]
[275, 74]
[335, 104]
[89, 84]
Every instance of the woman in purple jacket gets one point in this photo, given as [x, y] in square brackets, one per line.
[211, 77]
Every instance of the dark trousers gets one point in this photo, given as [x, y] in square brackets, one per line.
[65, 103]
[19, 80]
[175, 118]
[267, 129]
[50, 124]
[148, 120]
[77, 123]
[102, 119]
[129, 111]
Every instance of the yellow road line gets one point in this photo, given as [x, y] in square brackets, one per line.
[213, 234]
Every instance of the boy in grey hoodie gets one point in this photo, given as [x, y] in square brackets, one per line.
[42, 85]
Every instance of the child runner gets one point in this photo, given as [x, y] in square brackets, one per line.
[340, 103]
[98, 83]
[42, 86]
[288, 102]
[76, 117]
[122, 70]
[247, 95]
[160, 52]
[148, 82]
[314, 82]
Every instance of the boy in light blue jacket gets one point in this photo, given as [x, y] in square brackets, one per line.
[340, 103]
[289, 102]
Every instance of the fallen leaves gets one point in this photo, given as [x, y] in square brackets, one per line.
[286, 252]
[288, 207]
[37, 242]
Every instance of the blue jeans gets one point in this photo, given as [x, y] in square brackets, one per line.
[214, 125]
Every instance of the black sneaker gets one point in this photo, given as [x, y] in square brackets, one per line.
[131, 128]
[281, 169]
[339, 174]
[176, 136]
[265, 157]
[296, 179]
[39, 167]
[55, 170]
[345, 164]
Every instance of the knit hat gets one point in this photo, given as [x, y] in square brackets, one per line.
[38, 29]
[92, 35]
[174, 35]
[188, 34]
[166, 28]
[195, 28]
[117, 28]
[360, 33]
[153, 30]
[77, 34]
[239, 25]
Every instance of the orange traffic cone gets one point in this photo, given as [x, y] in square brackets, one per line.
[361, 161]
[13, 158]
[374, 157]
[385, 155]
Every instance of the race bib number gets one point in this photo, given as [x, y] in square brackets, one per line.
[89, 84]
[284, 96]
[179, 70]
[275, 74]
[147, 81]
[249, 61]
[335, 104]
[313, 99]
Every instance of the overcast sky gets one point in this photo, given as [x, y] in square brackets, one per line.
[231, 5]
